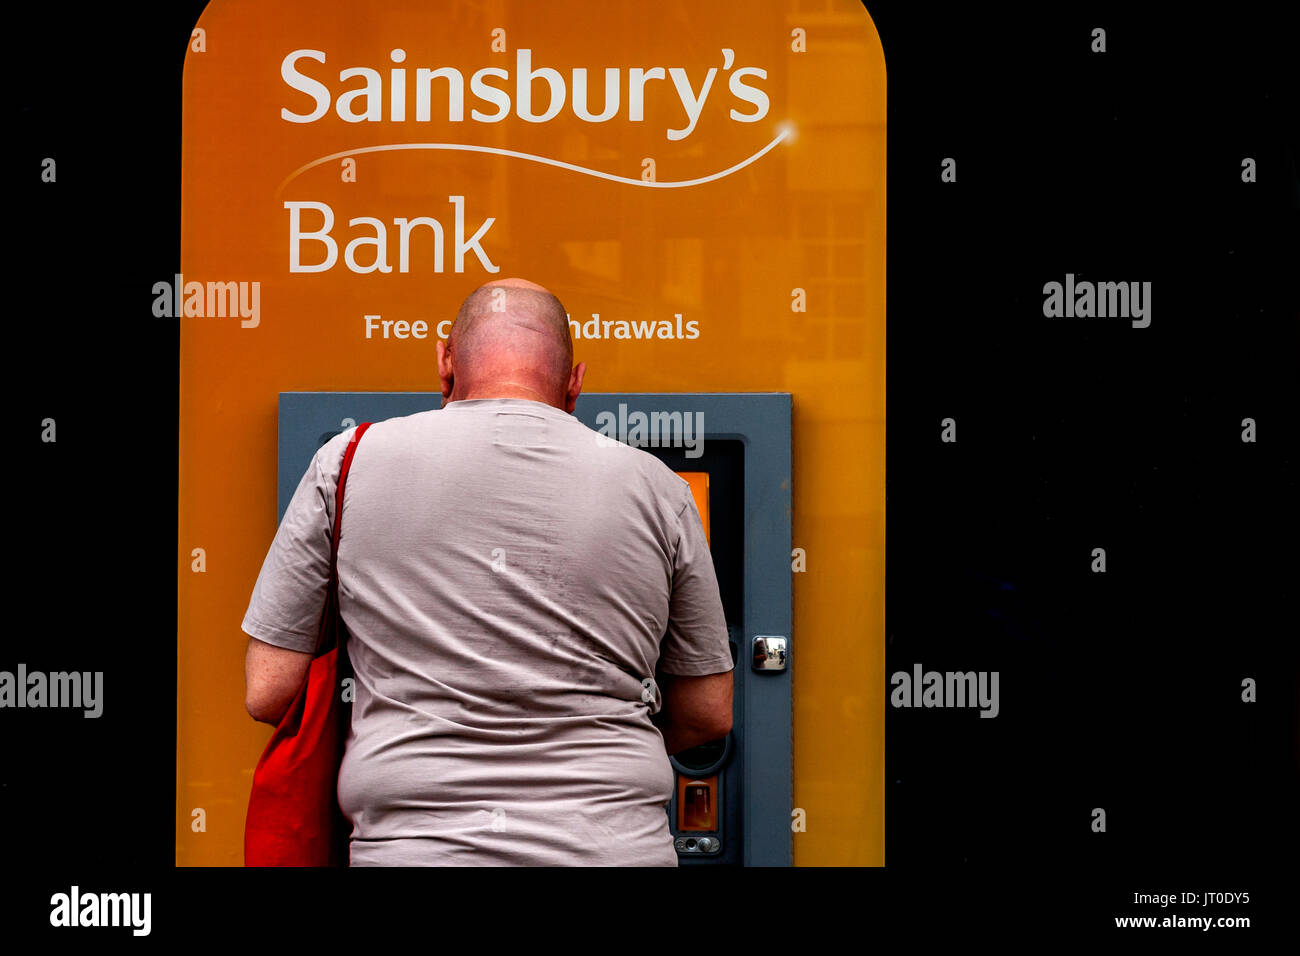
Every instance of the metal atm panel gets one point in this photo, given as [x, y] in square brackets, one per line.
[753, 789]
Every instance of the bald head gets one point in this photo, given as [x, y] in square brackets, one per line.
[511, 337]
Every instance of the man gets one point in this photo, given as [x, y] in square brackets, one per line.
[521, 597]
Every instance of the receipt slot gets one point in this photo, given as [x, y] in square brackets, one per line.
[732, 799]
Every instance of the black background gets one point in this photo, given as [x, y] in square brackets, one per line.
[1119, 690]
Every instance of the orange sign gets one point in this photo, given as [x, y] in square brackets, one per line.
[702, 185]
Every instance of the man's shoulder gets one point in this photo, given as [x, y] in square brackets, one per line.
[329, 457]
[398, 429]
[398, 423]
[631, 460]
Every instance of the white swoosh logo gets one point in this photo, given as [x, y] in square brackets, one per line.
[781, 136]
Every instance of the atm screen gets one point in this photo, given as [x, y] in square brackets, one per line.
[717, 480]
[699, 482]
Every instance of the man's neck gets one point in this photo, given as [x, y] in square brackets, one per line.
[500, 390]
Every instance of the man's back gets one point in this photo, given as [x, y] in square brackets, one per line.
[507, 576]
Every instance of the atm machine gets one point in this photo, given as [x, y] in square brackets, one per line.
[733, 798]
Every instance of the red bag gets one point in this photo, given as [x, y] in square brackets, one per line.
[293, 811]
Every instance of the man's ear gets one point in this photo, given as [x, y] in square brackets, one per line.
[575, 387]
[446, 373]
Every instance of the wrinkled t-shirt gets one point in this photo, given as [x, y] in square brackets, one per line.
[510, 580]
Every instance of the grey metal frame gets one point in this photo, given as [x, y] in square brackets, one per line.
[762, 421]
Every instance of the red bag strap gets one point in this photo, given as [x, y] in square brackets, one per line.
[338, 507]
[329, 628]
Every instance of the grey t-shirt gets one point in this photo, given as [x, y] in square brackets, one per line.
[510, 580]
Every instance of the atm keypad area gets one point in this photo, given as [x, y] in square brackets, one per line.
[732, 799]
